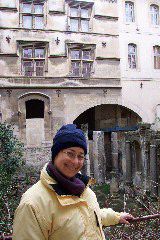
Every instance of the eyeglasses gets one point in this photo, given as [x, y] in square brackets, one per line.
[73, 155]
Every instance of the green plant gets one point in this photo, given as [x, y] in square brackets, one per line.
[11, 159]
[10, 149]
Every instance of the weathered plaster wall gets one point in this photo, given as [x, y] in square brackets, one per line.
[59, 110]
[58, 56]
[9, 4]
[142, 100]
[86, 100]
[103, 29]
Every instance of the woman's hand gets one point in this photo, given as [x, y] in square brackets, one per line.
[124, 217]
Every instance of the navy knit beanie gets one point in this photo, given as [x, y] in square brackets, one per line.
[68, 136]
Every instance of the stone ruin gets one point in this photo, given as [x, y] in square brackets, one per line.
[120, 158]
[128, 157]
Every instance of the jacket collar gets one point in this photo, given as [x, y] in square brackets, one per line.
[63, 197]
[62, 191]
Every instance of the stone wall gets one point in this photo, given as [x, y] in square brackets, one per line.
[37, 157]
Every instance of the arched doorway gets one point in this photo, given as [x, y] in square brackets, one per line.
[113, 121]
[106, 116]
[34, 118]
[34, 122]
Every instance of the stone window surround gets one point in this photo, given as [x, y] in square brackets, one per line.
[79, 5]
[158, 21]
[131, 55]
[81, 47]
[156, 56]
[34, 45]
[132, 12]
[32, 14]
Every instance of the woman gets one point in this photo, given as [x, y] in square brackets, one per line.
[61, 205]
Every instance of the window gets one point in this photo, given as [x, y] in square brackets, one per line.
[129, 11]
[154, 11]
[32, 14]
[156, 57]
[33, 60]
[79, 16]
[132, 56]
[81, 62]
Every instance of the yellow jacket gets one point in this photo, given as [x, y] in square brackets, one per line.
[44, 215]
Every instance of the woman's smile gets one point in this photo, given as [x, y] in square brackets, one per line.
[70, 161]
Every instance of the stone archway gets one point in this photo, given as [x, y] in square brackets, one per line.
[109, 123]
[108, 118]
[35, 124]
[76, 110]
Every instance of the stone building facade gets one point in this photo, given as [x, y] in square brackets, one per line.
[140, 54]
[56, 56]
[60, 63]
[140, 75]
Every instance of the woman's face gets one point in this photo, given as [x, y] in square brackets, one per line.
[69, 161]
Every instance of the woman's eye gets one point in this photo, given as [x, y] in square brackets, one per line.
[81, 157]
[70, 154]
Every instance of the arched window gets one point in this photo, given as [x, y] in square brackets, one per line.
[156, 50]
[154, 11]
[132, 55]
[34, 109]
[129, 11]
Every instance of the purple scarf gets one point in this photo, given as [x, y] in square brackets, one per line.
[72, 186]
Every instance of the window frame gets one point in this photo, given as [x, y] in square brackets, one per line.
[81, 60]
[32, 14]
[156, 57]
[153, 15]
[131, 17]
[80, 18]
[131, 55]
[33, 58]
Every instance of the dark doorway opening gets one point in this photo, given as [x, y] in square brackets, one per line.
[87, 117]
[34, 109]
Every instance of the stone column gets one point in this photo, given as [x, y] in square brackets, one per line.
[90, 142]
[144, 164]
[153, 169]
[114, 184]
[88, 171]
[95, 156]
[128, 162]
[84, 128]
[114, 147]
[157, 122]
[124, 158]
[99, 156]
